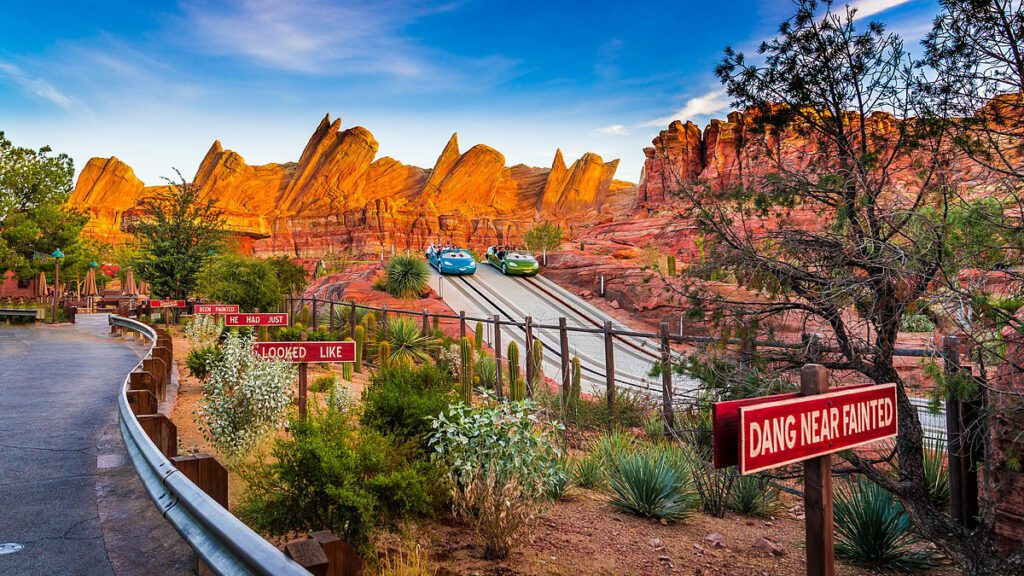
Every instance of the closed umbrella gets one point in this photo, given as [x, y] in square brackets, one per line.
[90, 283]
[41, 288]
[130, 288]
[144, 288]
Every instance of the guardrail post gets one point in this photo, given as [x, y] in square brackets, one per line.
[142, 402]
[497, 354]
[563, 345]
[609, 369]
[963, 470]
[531, 370]
[666, 380]
[161, 431]
[462, 323]
[144, 381]
[206, 473]
[307, 553]
[342, 560]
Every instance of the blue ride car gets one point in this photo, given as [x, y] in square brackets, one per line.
[451, 260]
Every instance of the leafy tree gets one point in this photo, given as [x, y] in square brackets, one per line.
[290, 275]
[34, 218]
[249, 282]
[544, 236]
[177, 233]
[836, 124]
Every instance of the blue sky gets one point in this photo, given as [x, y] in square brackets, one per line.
[154, 83]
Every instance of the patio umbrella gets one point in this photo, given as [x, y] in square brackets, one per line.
[41, 288]
[144, 288]
[130, 288]
[90, 283]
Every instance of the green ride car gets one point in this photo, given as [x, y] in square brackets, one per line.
[512, 262]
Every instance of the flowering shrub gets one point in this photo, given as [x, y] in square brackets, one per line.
[245, 397]
[203, 331]
[502, 464]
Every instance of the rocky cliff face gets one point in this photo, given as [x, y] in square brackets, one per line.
[338, 196]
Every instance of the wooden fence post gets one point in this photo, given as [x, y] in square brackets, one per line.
[352, 318]
[963, 470]
[426, 323]
[563, 345]
[609, 369]
[497, 353]
[531, 370]
[462, 323]
[383, 322]
[330, 320]
[819, 529]
[666, 381]
[312, 314]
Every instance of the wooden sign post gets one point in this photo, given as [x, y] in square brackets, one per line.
[758, 434]
[304, 353]
[165, 306]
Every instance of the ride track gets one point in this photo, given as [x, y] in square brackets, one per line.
[490, 293]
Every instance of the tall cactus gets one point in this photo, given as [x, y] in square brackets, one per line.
[671, 260]
[304, 315]
[360, 338]
[574, 389]
[383, 354]
[466, 369]
[516, 384]
[369, 324]
[478, 336]
[538, 361]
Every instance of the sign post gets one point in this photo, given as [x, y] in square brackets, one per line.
[304, 353]
[758, 434]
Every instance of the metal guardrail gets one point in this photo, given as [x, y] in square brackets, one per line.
[226, 545]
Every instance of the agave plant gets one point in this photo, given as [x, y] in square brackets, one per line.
[873, 530]
[936, 474]
[608, 449]
[486, 372]
[588, 472]
[407, 276]
[647, 484]
[754, 496]
[408, 344]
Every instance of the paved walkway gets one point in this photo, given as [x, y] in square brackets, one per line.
[67, 492]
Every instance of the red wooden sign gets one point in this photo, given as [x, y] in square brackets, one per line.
[307, 351]
[166, 303]
[788, 430]
[216, 309]
[726, 425]
[254, 319]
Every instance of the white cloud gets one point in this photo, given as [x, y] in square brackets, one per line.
[704, 105]
[37, 86]
[613, 130]
[868, 8]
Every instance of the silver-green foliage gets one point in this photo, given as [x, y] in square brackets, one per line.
[244, 398]
[653, 483]
[203, 331]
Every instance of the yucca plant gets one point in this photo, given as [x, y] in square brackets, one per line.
[609, 448]
[654, 427]
[754, 496]
[486, 372]
[873, 530]
[647, 484]
[588, 472]
[406, 276]
[408, 344]
[936, 474]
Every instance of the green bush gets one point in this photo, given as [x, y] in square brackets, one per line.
[873, 530]
[323, 383]
[325, 476]
[200, 360]
[916, 323]
[249, 282]
[406, 277]
[754, 496]
[408, 344]
[400, 400]
[502, 465]
[588, 472]
[562, 480]
[648, 483]
[543, 236]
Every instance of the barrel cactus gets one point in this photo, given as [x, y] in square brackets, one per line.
[360, 338]
[466, 369]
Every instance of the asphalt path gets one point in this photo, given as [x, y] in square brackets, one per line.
[59, 453]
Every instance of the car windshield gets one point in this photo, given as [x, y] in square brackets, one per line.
[518, 256]
[455, 254]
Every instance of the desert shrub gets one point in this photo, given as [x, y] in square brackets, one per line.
[244, 397]
[916, 323]
[409, 561]
[561, 481]
[342, 400]
[408, 344]
[249, 282]
[323, 383]
[873, 530]
[203, 331]
[502, 463]
[649, 483]
[406, 277]
[630, 409]
[543, 236]
[400, 400]
[326, 476]
[449, 360]
[588, 472]
[712, 484]
[754, 496]
[200, 360]
[609, 449]
[654, 427]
